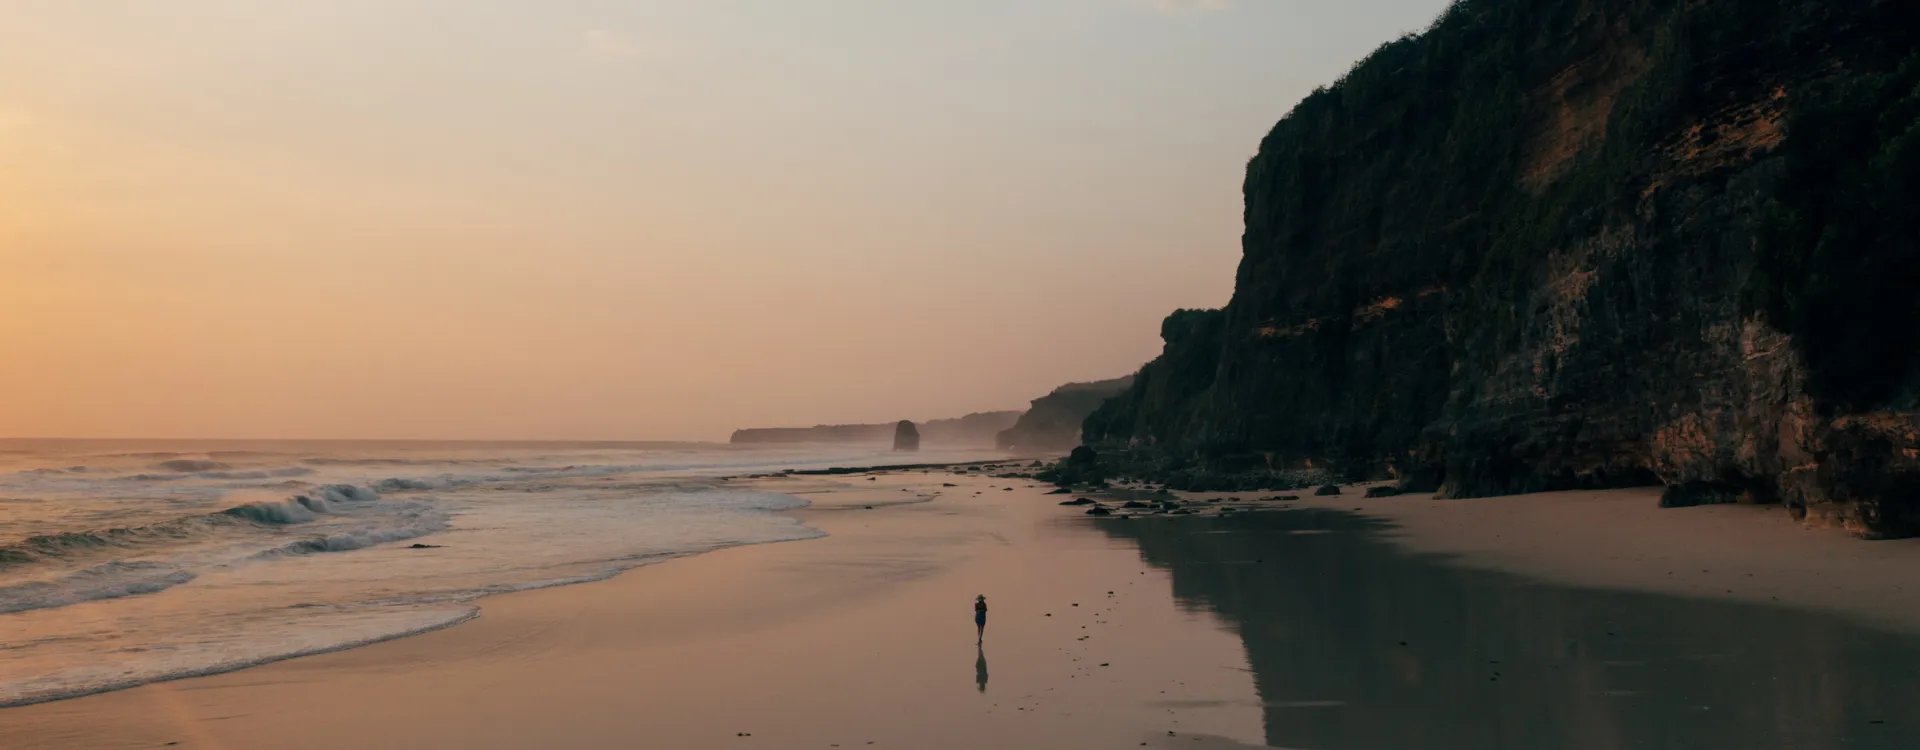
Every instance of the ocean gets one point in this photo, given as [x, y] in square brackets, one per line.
[127, 562]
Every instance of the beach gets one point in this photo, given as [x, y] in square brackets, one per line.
[1406, 623]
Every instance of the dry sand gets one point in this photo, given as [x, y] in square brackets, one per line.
[1622, 539]
[864, 638]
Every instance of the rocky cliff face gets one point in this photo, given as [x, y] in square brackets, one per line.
[1053, 421]
[1553, 244]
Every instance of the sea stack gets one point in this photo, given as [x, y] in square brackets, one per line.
[906, 437]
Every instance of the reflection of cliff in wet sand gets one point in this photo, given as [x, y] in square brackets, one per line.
[1357, 645]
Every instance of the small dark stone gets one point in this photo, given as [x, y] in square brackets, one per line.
[1382, 491]
[418, 545]
[1098, 511]
[1327, 489]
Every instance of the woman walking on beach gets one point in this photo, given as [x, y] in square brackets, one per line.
[980, 617]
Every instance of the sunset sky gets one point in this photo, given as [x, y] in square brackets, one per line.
[619, 218]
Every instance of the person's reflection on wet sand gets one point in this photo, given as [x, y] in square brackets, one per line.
[980, 669]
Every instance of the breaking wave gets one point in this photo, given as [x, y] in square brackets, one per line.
[306, 507]
[410, 520]
[106, 581]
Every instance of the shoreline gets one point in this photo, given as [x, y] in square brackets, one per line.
[472, 606]
[831, 642]
[885, 541]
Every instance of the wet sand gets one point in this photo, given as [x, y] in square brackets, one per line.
[1623, 539]
[1306, 628]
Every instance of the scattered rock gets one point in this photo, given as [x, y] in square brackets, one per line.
[1061, 491]
[418, 545]
[1327, 489]
[1382, 491]
[1099, 511]
[1077, 501]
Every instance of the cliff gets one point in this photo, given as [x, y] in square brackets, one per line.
[1053, 421]
[1553, 244]
[972, 430]
[905, 437]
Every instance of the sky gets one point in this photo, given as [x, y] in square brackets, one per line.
[618, 219]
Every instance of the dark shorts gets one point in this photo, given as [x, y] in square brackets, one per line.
[979, 618]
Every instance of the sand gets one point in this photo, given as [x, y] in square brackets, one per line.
[860, 639]
[1155, 633]
[1622, 539]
